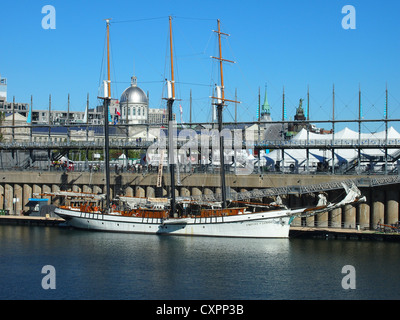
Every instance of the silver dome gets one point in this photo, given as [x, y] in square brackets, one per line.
[134, 94]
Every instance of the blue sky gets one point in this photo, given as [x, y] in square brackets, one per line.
[291, 44]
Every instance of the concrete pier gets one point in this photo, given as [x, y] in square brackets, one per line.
[392, 205]
[341, 233]
[378, 207]
[382, 204]
[349, 216]
[31, 221]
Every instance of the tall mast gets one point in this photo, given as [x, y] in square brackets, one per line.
[220, 104]
[333, 129]
[283, 108]
[108, 59]
[172, 59]
[190, 109]
[308, 104]
[220, 61]
[359, 125]
[106, 106]
[259, 107]
[386, 128]
[170, 102]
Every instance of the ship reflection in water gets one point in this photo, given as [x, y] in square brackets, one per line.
[101, 265]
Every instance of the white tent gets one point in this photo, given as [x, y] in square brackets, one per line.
[296, 159]
[346, 134]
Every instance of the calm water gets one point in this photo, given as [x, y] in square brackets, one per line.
[96, 265]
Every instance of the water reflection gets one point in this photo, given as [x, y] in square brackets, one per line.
[97, 265]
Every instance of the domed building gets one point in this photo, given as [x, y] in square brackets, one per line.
[134, 104]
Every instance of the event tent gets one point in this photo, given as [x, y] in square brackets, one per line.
[296, 159]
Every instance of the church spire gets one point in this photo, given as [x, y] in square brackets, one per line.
[266, 109]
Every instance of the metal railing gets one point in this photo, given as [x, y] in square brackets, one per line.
[122, 143]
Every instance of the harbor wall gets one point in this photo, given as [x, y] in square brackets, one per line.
[382, 205]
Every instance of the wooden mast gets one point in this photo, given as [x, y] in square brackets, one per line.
[170, 102]
[220, 62]
[106, 106]
[172, 59]
[108, 59]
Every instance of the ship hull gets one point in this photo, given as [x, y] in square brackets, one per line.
[272, 224]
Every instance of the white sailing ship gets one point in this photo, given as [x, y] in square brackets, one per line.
[160, 216]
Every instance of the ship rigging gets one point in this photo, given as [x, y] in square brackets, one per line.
[186, 217]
